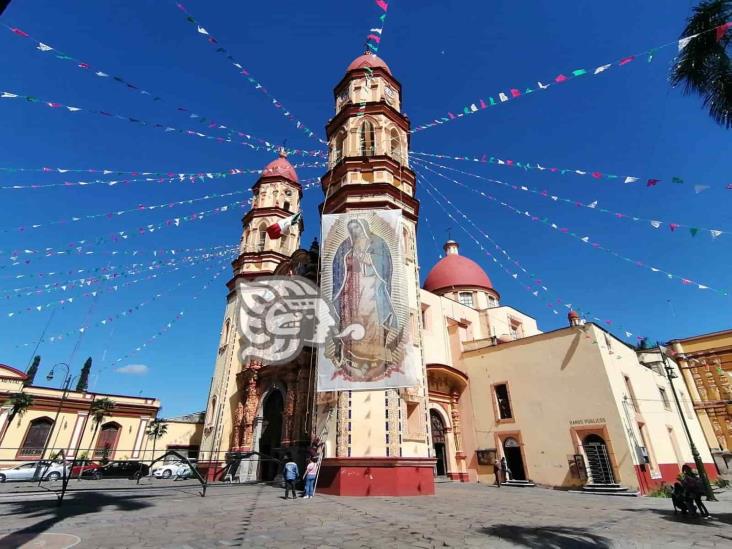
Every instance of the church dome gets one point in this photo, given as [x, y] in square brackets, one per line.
[456, 271]
[281, 167]
[368, 59]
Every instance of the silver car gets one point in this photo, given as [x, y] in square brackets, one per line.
[27, 471]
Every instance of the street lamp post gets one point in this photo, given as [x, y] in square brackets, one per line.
[670, 374]
[67, 382]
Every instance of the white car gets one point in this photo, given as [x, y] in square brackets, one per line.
[178, 469]
[27, 471]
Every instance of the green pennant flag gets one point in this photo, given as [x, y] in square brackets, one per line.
[529, 90]
[466, 110]
[490, 99]
[383, 16]
[579, 72]
[693, 231]
[611, 176]
[676, 180]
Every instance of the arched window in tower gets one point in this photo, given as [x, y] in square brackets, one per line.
[395, 145]
[339, 147]
[367, 139]
[286, 205]
[227, 328]
[262, 242]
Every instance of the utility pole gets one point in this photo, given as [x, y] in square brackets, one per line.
[694, 452]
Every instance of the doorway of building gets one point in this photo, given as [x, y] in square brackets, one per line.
[514, 459]
[438, 443]
[271, 438]
[598, 460]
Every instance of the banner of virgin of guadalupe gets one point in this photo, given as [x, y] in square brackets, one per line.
[363, 278]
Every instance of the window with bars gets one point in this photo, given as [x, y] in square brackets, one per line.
[367, 139]
[465, 298]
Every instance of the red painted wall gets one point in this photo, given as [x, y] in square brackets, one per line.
[376, 479]
[669, 474]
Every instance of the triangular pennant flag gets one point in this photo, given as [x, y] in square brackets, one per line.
[630, 179]
[700, 188]
[676, 180]
[715, 233]
[602, 68]
[655, 224]
[693, 231]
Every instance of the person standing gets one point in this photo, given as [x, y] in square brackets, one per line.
[497, 471]
[290, 472]
[311, 472]
[504, 469]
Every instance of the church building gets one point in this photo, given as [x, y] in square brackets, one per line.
[574, 407]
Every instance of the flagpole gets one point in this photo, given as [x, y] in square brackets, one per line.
[694, 452]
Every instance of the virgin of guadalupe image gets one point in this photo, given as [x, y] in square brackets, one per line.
[362, 282]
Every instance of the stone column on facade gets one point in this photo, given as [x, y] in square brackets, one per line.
[251, 404]
[302, 404]
[288, 420]
[236, 433]
[458, 434]
[342, 424]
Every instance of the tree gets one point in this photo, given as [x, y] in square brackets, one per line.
[83, 383]
[32, 371]
[156, 430]
[98, 411]
[19, 402]
[703, 65]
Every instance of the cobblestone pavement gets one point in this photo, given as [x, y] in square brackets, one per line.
[167, 514]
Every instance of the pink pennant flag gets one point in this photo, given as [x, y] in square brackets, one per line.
[673, 226]
[626, 60]
[685, 281]
[374, 37]
[483, 105]
[597, 175]
[652, 182]
[515, 92]
[452, 116]
[25, 34]
[383, 5]
[561, 78]
[720, 30]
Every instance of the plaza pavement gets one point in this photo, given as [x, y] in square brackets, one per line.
[171, 514]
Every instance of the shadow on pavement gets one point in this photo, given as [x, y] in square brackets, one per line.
[49, 513]
[559, 537]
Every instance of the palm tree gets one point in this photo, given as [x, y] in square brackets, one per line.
[703, 65]
[20, 402]
[98, 411]
[156, 430]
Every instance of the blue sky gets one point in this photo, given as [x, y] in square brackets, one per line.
[446, 55]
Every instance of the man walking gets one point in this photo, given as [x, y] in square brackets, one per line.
[290, 472]
[497, 471]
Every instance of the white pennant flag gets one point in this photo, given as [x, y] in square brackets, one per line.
[685, 41]
[715, 233]
[542, 86]
[473, 107]
[602, 68]
[515, 275]
[503, 97]
[703, 287]
[628, 334]
[592, 205]
[8, 95]
[202, 30]
[585, 239]
[580, 172]
[700, 188]
[73, 109]
[655, 224]
[631, 179]
[43, 47]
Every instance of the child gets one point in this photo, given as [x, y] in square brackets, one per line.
[677, 498]
[311, 472]
[290, 472]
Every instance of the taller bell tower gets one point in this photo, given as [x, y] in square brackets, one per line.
[378, 440]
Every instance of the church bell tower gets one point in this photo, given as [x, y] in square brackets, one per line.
[377, 440]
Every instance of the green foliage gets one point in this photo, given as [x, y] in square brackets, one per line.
[20, 403]
[32, 371]
[704, 66]
[157, 429]
[661, 492]
[83, 382]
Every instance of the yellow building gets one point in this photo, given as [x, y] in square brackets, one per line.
[706, 364]
[53, 423]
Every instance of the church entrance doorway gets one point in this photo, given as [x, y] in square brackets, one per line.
[514, 459]
[271, 438]
[598, 460]
[438, 443]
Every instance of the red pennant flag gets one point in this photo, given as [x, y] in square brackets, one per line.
[673, 226]
[383, 5]
[561, 78]
[722, 29]
[626, 60]
[515, 93]
[596, 175]
[20, 32]
[652, 182]
[375, 38]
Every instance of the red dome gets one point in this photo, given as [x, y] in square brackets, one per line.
[367, 60]
[281, 167]
[455, 270]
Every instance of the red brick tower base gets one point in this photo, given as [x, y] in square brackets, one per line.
[377, 476]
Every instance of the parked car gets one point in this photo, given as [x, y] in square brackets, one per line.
[86, 468]
[27, 471]
[119, 469]
[179, 469]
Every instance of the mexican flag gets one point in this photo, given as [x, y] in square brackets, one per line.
[278, 229]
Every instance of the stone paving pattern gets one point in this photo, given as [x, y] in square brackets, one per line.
[172, 515]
